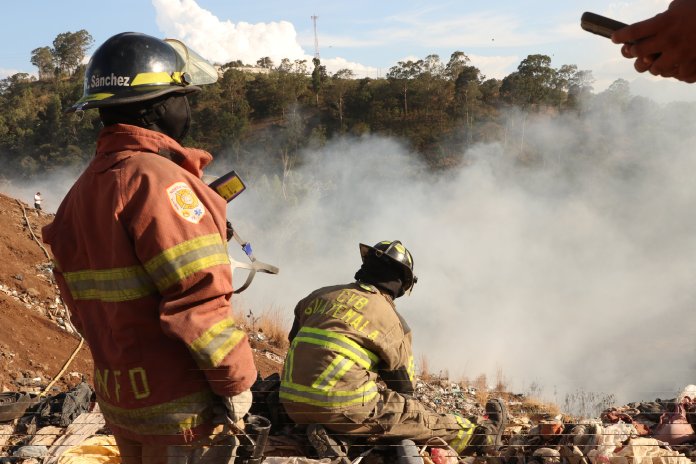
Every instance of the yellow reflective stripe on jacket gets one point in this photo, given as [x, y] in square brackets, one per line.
[216, 343]
[287, 368]
[162, 419]
[411, 368]
[185, 259]
[308, 395]
[333, 373]
[464, 436]
[111, 285]
[338, 343]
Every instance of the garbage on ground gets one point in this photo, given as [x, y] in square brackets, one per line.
[655, 432]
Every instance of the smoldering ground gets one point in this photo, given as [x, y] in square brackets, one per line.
[563, 256]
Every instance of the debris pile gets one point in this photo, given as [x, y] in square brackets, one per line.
[650, 432]
[659, 432]
[30, 298]
[444, 396]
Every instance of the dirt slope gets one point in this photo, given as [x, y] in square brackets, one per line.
[33, 343]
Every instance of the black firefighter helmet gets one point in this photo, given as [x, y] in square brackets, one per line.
[132, 67]
[394, 252]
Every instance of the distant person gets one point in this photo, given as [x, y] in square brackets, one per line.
[141, 260]
[37, 201]
[344, 339]
[664, 44]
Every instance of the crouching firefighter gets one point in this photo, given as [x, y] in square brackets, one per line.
[141, 261]
[345, 339]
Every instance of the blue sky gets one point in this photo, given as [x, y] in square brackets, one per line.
[368, 36]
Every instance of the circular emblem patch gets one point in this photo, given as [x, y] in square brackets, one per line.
[185, 202]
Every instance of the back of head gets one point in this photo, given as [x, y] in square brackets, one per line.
[389, 266]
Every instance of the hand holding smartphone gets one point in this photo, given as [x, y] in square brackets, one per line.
[600, 25]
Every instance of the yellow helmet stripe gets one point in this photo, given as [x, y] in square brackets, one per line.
[151, 78]
[95, 96]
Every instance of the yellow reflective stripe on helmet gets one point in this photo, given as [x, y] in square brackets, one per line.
[301, 394]
[111, 285]
[169, 418]
[152, 78]
[333, 373]
[216, 343]
[411, 368]
[95, 96]
[338, 343]
[182, 260]
[464, 435]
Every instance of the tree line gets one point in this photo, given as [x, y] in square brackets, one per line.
[268, 118]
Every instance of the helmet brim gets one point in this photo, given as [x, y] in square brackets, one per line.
[365, 251]
[134, 95]
[411, 279]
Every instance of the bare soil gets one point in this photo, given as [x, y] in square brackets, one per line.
[34, 345]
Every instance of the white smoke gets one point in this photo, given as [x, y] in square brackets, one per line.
[565, 259]
[563, 256]
[222, 41]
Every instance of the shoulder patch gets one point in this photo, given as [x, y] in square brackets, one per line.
[185, 203]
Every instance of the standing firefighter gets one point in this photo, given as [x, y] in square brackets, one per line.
[141, 260]
[347, 337]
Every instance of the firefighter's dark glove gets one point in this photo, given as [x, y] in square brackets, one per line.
[230, 231]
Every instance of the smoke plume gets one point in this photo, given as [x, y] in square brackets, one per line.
[563, 256]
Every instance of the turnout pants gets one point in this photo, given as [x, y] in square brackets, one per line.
[219, 448]
[395, 416]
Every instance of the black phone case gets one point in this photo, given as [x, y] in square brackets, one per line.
[600, 25]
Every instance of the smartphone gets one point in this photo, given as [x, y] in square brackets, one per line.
[600, 25]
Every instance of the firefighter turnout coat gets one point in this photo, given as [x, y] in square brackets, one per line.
[343, 340]
[142, 264]
[342, 337]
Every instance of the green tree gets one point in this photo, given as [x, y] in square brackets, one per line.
[265, 62]
[457, 62]
[42, 58]
[339, 85]
[318, 77]
[533, 84]
[69, 49]
[402, 74]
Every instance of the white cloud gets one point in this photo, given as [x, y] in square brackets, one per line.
[6, 72]
[360, 70]
[494, 66]
[224, 41]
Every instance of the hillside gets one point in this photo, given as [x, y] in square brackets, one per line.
[34, 342]
[33, 346]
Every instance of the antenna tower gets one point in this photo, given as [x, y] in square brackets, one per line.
[316, 37]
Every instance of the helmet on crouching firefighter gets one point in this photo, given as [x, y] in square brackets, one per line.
[389, 266]
[140, 80]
